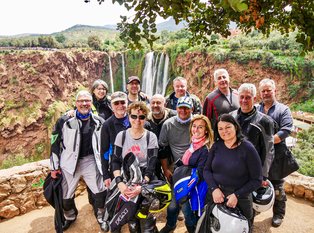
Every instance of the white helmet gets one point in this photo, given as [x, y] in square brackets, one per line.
[228, 220]
[264, 197]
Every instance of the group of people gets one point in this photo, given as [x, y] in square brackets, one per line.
[230, 140]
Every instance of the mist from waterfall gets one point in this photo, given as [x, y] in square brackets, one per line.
[155, 73]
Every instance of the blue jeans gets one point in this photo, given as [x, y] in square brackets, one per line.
[173, 212]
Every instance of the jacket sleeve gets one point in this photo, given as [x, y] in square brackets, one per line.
[56, 146]
[117, 159]
[152, 152]
[105, 150]
[197, 105]
[207, 172]
[201, 162]
[164, 147]
[285, 124]
[268, 132]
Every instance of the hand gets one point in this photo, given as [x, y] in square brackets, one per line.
[232, 200]
[264, 183]
[54, 174]
[168, 175]
[107, 182]
[70, 113]
[122, 187]
[218, 196]
[133, 191]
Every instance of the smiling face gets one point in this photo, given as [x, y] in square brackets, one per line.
[222, 82]
[119, 108]
[133, 87]
[100, 92]
[226, 130]
[137, 119]
[180, 88]
[83, 104]
[198, 129]
[184, 113]
[246, 100]
[267, 93]
[157, 105]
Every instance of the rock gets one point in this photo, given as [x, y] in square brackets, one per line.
[9, 211]
[298, 190]
[309, 194]
[5, 190]
[288, 187]
[18, 183]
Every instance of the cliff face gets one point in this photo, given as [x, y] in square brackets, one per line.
[199, 69]
[31, 83]
[37, 86]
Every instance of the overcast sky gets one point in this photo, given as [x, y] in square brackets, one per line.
[48, 16]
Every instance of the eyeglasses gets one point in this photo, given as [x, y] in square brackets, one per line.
[122, 102]
[101, 89]
[141, 117]
[82, 101]
[221, 77]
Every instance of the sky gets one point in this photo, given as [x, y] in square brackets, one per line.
[48, 16]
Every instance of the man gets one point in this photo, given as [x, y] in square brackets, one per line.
[118, 122]
[281, 114]
[180, 90]
[158, 115]
[175, 134]
[221, 100]
[75, 154]
[256, 126]
[134, 90]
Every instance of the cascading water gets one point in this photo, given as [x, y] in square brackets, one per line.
[155, 74]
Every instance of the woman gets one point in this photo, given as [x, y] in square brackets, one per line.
[233, 169]
[142, 145]
[101, 103]
[201, 136]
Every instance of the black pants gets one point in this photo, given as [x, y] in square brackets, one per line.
[279, 208]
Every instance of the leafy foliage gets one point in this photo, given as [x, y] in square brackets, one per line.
[304, 151]
[214, 16]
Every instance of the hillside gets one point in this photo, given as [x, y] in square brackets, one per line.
[41, 85]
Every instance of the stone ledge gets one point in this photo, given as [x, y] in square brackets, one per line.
[21, 188]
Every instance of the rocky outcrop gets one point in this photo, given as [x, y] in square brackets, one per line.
[21, 188]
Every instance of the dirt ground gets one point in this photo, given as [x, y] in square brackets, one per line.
[299, 219]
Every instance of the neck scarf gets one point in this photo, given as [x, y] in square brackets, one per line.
[195, 145]
[183, 121]
[83, 116]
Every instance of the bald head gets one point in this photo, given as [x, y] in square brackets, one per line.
[157, 104]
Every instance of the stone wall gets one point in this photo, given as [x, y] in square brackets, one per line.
[21, 188]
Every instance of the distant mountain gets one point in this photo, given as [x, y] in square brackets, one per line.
[170, 25]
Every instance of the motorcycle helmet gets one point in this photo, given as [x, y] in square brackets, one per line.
[157, 196]
[264, 197]
[228, 220]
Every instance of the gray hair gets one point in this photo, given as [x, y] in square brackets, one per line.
[83, 93]
[97, 83]
[267, 81]
[248, 87]
[181, 79]
[220, 72]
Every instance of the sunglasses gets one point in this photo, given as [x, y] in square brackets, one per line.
[134, 117]
[119, 102]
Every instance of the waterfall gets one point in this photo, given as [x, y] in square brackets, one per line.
[123, 73]
[148, 74]
[155, 73]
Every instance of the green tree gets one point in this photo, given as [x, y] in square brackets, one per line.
[94, 42]
[47, 42]
[60, 38]
[214, 16]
